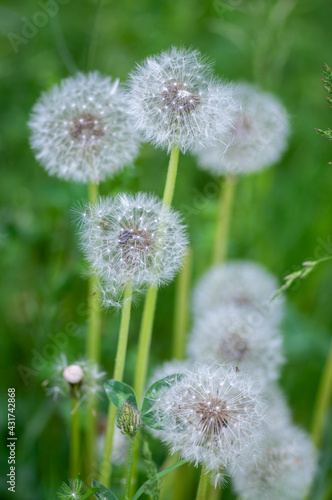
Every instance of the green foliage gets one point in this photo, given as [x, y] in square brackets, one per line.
[103, 493]
[77, 490]
[307, 268]
[152, 486]
[119, 393]
[328, 87]
[145, 488]
[149, 416]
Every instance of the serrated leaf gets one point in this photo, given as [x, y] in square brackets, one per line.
[119, 392]
[155, 391]
[148, 483]
[103, 493]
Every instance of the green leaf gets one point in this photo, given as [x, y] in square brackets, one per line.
[148, 483]
[119, 392]
[153, 394]
[103, 493]
[90, 492]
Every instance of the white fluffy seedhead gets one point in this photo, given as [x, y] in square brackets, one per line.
[224, 335]
[81, 129]
[257, 140]
[132, 239]
[83, 379]
[241, 283]
[211, 416]
[284, 470]
[175, 101]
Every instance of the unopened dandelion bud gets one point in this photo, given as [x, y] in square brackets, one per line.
[128, 419]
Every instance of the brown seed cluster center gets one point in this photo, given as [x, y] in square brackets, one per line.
[233, 348]
[213, 416]
[135, 243]
[86, 127]
[178, 99]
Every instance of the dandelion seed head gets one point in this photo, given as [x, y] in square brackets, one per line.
[132, 239]
[81, 129]
[211, 415]
[284, 469]
[225, 335]
[175, 100]
[243, 284]
[80, 379]
[257, 139]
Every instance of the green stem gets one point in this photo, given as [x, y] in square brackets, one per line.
[181, 314]
[105, 468]
[93, 350]
[74, 452]
[214, 493]
[224, 217]
[145, 333]
[144, 342]
[129, 466]
[323, 400]
[171, 176]
[202, 485]
[93, 38]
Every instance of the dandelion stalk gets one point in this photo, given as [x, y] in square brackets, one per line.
[224, 217]
[151, 297]
[214, 493]
[323, 400]
[105, 471]
[74, 452]
[93, 349]
[145, 333]
[202, 485]
[129, 466]
[181, 308]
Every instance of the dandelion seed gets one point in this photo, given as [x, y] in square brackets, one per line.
[132, 239]
[211, 416]
[241, 283]
[73, 491]
[224, 335]
[81, 129]
[175, 101]
[257, 140]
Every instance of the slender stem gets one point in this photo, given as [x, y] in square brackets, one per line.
[214, 493]
[93, 37]
[166, 490]
[202, 485]
[181, 314]
[129, 466]
[323, 400]
[171, 176]
[74, 452]
[144, 342]
[93, 350]
[62, 46]
[224, 217]
[105, 468]
[145, 333]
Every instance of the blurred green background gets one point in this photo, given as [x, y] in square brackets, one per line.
[281, 217]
